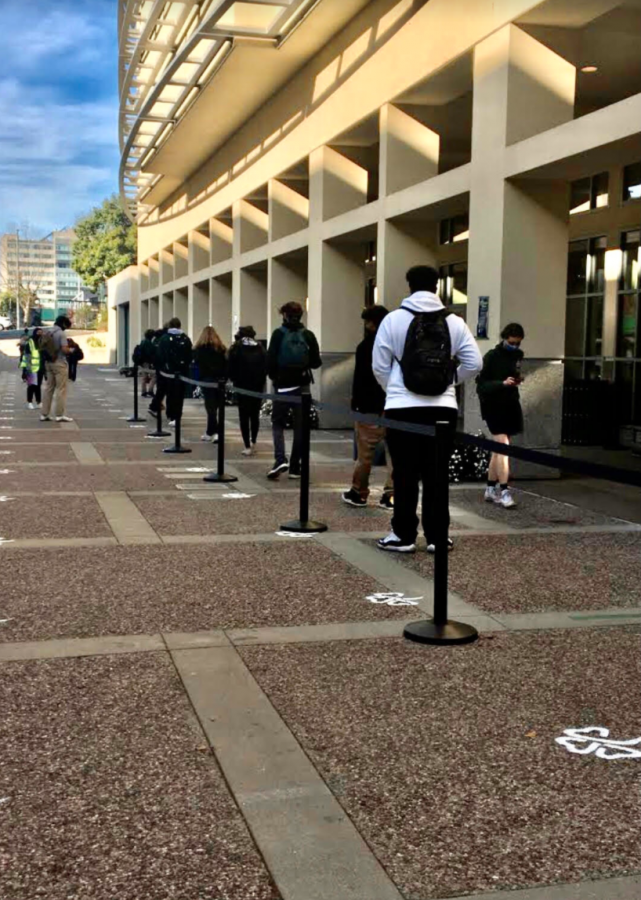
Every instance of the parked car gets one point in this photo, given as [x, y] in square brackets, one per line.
[6, 323]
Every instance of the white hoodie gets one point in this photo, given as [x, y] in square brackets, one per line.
[390, 343]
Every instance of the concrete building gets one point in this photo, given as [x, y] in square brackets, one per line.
[44, 267]
[315, 149]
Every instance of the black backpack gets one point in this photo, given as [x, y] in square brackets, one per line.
[427, 364]
[176, 353]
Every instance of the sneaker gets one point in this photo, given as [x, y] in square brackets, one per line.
[206, 437]
[395, 544]
[506, 500]
[491, 494]
[431, 548]
[172, 424]
[247, 451]
[214, 440]
[294, 473]
[276, 470]
[353, 498]
[30, 406]
[45, 418]
[64, 419]
[37, 406]
[387, 502]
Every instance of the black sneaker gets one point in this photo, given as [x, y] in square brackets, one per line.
[395, 544]
[432, 549]
[294, 473]
[276, 470]
[387, 502]
[353, 498]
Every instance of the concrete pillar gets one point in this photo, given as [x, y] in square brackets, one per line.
[336, 184]
[199, 257]
[286, 280]
[399, 247]
[166, 267]
[166, 308]
[251, 227]
[181, 259]
[181, 308]
[221, 239]
[519, 232]
[252, 305]
[409, 151]
[154, 273]
[220, 308]
[144, 316]
[154, 313]
[144, 278]
[288, 210]
[198, 308]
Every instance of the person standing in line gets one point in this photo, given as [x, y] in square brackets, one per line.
[144, 356]
[161, 383]
[498, 389]
[32, 365]
[174, 358]
[419, 353]
[75, 356]
[368, 397]
[54, 347]
[248, 370]
[292, 355]
[210, 358]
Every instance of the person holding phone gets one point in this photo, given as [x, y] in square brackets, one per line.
[498, 389]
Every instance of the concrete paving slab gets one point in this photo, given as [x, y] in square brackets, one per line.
[310, 846]
[77, 647]
[607, 889]
[446, 759]
[532, 510]
[124, 519]
[86, 454]
[40, 518]
[112, 791]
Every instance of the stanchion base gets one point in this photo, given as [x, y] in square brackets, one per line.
[427, 632]
[173, 449]
[299, 527]
[158, 434]
[135, 419]
[220, 479]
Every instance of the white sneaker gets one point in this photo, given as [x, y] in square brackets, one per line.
[491, 494]
[395, 544]
[38, 406]
[214, 440]
[431, 548]
[64, 419]
[206, 437]
[172, 424]
[506, 500]
[247, 452]
[30, 406]
[45, 418]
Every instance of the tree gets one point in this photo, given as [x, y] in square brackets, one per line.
[105, 243]
[28, 300]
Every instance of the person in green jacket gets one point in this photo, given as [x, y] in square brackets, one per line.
[32, 365]
[498, 389]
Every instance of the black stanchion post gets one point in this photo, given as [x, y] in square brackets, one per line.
[220, 476]
[177, 448]
[158, 433]
[439, 629]
[303, 525]
[135, 417]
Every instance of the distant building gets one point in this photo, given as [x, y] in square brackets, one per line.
[43, 266]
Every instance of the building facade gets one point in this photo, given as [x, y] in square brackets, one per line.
[314, 150]
[43, 267]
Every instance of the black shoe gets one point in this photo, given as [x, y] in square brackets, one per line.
[432, 549]
[294, 473]
[395, 544]
[353, 498]
[387, 502]
[276, 470]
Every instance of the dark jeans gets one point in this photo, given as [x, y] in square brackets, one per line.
[211, 396]
[34, 391]
[175, 398]
[280, 412]
[161, 392]
[249, 415]
[413, 459]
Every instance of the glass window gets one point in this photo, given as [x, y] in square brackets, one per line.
[599, 196]
[632, 182]
[455, 229]
[594, 326]
[577, 267]
[627, 325]
[597, 265]
[575, 327]
[589, 193]
[452, 287]
[631, 247]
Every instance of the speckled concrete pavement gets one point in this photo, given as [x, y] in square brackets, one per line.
[136, 676]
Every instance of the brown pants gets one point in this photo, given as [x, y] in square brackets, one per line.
[367, 439]
[57, 381]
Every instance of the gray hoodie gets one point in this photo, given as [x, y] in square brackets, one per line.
[390, 343]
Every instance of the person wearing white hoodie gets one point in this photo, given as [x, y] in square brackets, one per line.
[413, 454]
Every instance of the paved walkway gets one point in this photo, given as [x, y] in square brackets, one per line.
[197, 707]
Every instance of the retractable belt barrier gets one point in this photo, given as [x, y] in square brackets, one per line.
[440, 629]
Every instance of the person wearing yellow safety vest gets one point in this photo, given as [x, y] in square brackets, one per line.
[33, 368]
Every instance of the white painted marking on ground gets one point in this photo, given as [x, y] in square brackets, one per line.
[6, 452]
[6, 438]
[294, 534]
[236, 495]
[595, 740]
[6, 540]
[6, 427]
[6, 499]
[7, 418]
[7, 472]
[4, 800]
[4, 621]
[179, 471]
[137, 426]
[393, 599]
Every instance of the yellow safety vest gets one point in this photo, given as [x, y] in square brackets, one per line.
[31, 359]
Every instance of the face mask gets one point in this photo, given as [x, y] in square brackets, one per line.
[510, 346]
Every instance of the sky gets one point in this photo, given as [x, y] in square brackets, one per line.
[58, 111]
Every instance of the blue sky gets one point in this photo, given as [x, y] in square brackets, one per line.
[58, 110]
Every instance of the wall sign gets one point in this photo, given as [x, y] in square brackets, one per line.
[596, 739]
[483, 321]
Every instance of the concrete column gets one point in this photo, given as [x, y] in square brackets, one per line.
[409, 151]
[154, 313]
[336, 184]
[252, 306]
[221, 240]
[181, 308]
[144, 316]
[144, 278]
[220, 307]
[198, 308]
[286, 280]
[154, 273]
[181, 259]
[399, 247]
[199, 257]
[519, 232]
[251, 227]
[166, 308]
[166, 267]
[288, 210]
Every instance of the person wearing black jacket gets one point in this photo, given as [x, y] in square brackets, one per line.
[210, 356]
[498, 389]
[368, 397]
[144, 357]
[248, 370]
[174, 352]
[292, 354]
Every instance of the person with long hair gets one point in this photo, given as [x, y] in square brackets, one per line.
[248, 370]
[498, 391]
[33, 367]
[210, 356]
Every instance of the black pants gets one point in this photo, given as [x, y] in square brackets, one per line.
[211, 396]
[414, 463]
[34, 391]
[249, 415]
[175, 398]
[280, 413]
[161, 392]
